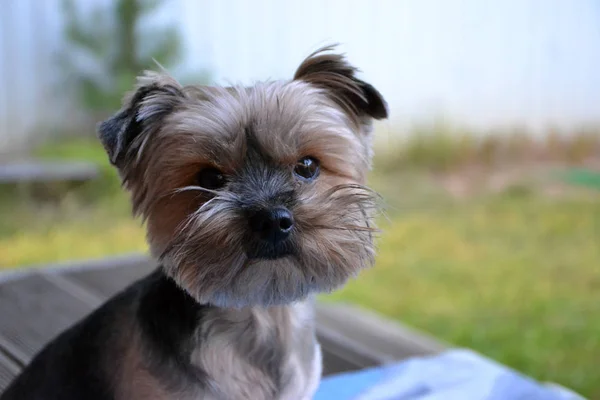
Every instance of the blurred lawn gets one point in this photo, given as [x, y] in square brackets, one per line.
[513, 275]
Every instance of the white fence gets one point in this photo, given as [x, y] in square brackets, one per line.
[485, 63]
[29, 36]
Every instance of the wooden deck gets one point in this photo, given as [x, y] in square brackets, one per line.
[31, 171]
[38, 303]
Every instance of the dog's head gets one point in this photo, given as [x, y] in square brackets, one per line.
[252, 195]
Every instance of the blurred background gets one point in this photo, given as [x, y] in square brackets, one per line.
[489, 165]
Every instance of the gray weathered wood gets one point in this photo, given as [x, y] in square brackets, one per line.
[33, 310]
[367, 336]
[111, 279]
[8, 370]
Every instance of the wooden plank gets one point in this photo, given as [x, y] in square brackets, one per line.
[348, 355]
[121, 261]
[47, 171]
[367, 338]
[8, 370]
[334, 364]
[33, 310]
[111, 278]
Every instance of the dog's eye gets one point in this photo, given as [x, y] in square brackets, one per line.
[211, 178]
[307, 168]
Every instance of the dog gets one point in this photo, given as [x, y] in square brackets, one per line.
[254, 200]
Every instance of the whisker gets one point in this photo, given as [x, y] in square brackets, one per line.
[196, 188]
[349, 228]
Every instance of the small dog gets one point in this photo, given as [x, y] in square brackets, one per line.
[254, 200]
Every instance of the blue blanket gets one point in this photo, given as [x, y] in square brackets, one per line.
[452, 375]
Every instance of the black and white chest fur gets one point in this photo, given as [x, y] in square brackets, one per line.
[259, 353]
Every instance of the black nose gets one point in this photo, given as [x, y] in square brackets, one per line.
[273, 225]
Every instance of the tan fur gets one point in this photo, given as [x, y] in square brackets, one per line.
[128, 368]
[135, 382]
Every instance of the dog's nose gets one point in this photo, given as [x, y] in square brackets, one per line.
[273, 224]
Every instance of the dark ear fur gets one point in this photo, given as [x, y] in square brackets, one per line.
[155, 97]
[333, 73]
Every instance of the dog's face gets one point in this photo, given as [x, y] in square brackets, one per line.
[252, 195]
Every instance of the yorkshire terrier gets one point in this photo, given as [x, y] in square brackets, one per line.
[254, 199]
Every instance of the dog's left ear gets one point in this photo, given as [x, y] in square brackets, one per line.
[155, 96]
[337, 77]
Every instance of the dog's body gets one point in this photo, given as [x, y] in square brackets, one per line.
[254, 200]
[153, 341]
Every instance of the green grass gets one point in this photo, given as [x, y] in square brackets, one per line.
[92, 221]
[515, 276]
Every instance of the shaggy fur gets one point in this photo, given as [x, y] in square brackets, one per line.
[227, 315]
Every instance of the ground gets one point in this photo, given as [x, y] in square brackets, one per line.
[507, 265]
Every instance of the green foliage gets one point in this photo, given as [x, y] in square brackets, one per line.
[110, 45]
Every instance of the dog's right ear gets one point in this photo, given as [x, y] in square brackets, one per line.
[155, 96]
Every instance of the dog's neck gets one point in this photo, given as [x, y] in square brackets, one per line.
[229, 350]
